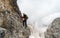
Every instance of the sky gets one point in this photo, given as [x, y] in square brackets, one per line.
[39, 10]
[41, 13]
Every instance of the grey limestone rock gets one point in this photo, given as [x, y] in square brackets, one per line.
[10, 19]
[54, 30]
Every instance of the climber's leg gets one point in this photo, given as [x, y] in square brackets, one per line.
[25, 23]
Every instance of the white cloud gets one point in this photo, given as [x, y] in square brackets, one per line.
[40, 10]
[48, 19]
[43, 12]
[37, 9]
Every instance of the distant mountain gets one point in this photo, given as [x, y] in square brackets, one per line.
[54, 29]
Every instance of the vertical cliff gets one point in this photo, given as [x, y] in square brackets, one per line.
[54, 30]
[10, 21]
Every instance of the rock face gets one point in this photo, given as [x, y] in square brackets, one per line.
[10, 21]
[54, 30]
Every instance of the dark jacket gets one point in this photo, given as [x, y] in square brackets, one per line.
[24, 17]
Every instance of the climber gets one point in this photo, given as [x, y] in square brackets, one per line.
[24, 18]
